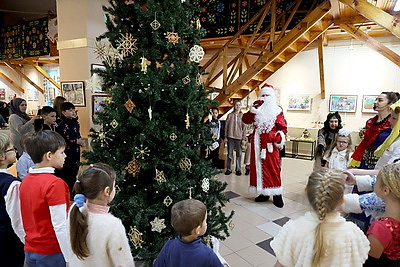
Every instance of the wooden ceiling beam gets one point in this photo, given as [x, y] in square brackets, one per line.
[41, 71]
[321, 65]
[23, 76]
[372, 43]
[375, 14]
[16, 85]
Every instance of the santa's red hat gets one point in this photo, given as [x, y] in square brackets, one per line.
[267, 89]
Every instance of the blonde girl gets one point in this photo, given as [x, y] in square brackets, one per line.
[321, 237]
[384, 233]
[97, 237]
[339, 155]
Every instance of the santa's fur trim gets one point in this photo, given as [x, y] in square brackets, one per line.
[257, 158]
[283, 140]
[272, 191]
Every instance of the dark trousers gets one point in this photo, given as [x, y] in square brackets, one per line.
[11, 250]
[69, 172]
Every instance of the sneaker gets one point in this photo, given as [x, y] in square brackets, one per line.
[278, 201]
[261, 198]
[238, 173]
[247, 172]
[228, 172]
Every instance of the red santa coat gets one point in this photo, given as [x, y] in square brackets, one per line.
[265, 174]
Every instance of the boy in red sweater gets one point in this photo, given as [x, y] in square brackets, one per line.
[45, 202]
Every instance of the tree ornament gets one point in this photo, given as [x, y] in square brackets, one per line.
[205, 184]
[129, 105]
[157, 225]
[158, 65]
[114, 123]
[190, 192]
[127, 45]
[133, 167]
[173, 37]
[185, 164]
[142, 152]
[106, 52]
[187, 121]
[150, 111]
[198, 25]
[102, 137]
[117, 189]
[167, 201]
[196, 53]
[160, 177]
[95, 83]
[155, 24]
[198, 79]
[186, 79]
[231, 225]
[136, 237]
[143, 64]
[207, 241]
[173, 136]
[129, 2]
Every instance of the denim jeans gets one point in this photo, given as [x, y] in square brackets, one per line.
[234, 144]
[40, 260]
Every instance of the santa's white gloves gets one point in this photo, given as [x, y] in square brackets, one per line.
[270, 147]
[263, 153]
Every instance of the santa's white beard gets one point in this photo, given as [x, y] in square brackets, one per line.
[266, 114]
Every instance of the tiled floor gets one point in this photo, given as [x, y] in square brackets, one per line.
[257, 223]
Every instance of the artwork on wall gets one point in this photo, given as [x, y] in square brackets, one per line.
[343, 103]
[368, 103]
[33, 94]
[299, 102]
[2, 93]
[34, 39]
[98, 102]
[74, 92]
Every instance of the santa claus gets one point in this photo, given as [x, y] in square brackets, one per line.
[268, 138]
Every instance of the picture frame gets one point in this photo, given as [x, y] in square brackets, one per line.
[98, 101]
[74, 92]
[343, 103]
[97, 67]
[368, 103]
[299, 102]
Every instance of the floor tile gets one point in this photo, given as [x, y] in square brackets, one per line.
[281, 221]
[266, 246]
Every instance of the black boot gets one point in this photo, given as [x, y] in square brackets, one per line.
[261, 198]
[278, 201]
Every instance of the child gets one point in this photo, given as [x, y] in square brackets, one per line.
[48, 119]
[24, 162]
[96, 183]
[69, 130]
[189, 219]
[321, 237]
[11, 229]
[384, 233]
[339, 155]
[45, 202]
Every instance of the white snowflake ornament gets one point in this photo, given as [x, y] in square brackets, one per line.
[52, 33]
[205, 184]
[95, 83]
[196, 53]
[157, 225]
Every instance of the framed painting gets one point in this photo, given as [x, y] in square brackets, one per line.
[368, 103]
[343, 103]
[299, 102]
[74, 92]
[98, 103]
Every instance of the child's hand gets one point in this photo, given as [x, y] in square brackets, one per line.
[81, 142]
[350, 178]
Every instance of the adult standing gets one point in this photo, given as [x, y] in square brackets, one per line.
[267, 139]
[326, 135]
[57, 106]
[4, 112]
[20, 123]
[235, 135]
[377, 129]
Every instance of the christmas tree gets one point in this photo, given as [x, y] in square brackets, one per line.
[152, 129]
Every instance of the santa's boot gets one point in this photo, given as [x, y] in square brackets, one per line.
[261, 198]
[278, 201]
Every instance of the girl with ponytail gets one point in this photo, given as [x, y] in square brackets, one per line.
[321, 237]
[97, 237]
